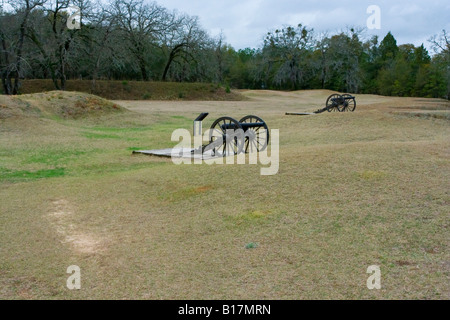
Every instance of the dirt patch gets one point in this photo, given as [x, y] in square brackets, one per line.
[404, 263]
[82, 242]
[203, 189]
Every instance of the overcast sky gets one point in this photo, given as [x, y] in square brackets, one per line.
[245, 22]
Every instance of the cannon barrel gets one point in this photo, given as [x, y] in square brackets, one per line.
[202, 116]
[245, 126]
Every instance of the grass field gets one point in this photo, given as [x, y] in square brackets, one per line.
[353, 190]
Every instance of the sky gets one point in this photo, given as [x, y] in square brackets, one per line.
[245, 22]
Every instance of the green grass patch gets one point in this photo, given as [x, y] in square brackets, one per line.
[163, 128]
[371, 175]
[91, 135]
[6, 174]
[248, 218]
[121, 130]
[55, 157]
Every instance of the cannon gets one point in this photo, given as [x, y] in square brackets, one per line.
[340, 103]
[226, 137]
[336, 102]
[229, 136]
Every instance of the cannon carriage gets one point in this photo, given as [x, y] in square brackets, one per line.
[335, 103]
[340, 103]
[228, 136]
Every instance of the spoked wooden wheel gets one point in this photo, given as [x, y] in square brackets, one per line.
[226, 137]
[256, 137]
[335, 103]
[349, 104]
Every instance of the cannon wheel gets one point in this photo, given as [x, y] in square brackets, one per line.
[217, 131]
[256, 139]
[335, 103]
[349, 104]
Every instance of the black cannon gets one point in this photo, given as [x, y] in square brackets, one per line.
[336, 102]
[229, 136]
[340, 103]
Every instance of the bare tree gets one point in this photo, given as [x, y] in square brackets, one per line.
[441, 46]
[441, 43]
[142, 26]
[12, 48]
[95, 45]
[54, 39]
[180, 44]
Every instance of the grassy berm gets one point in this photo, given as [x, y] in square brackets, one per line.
[139, 90]
[57, 105]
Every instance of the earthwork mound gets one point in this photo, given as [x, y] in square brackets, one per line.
[59, 104]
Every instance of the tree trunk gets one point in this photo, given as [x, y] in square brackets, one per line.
[6, 79]
[62, 72]
[173, 54]
[6, 83]
[48, 62]
[95, 74]
[166, 69]
[143, 68]
[19, 50]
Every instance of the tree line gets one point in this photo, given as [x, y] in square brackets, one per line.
[139, 40]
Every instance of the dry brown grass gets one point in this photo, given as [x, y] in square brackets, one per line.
[353, 190]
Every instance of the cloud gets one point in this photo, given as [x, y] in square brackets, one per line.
[308, 19]
[405, 10]
[245, 22]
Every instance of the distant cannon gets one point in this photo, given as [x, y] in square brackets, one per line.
[335, 103]
[340, 103]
